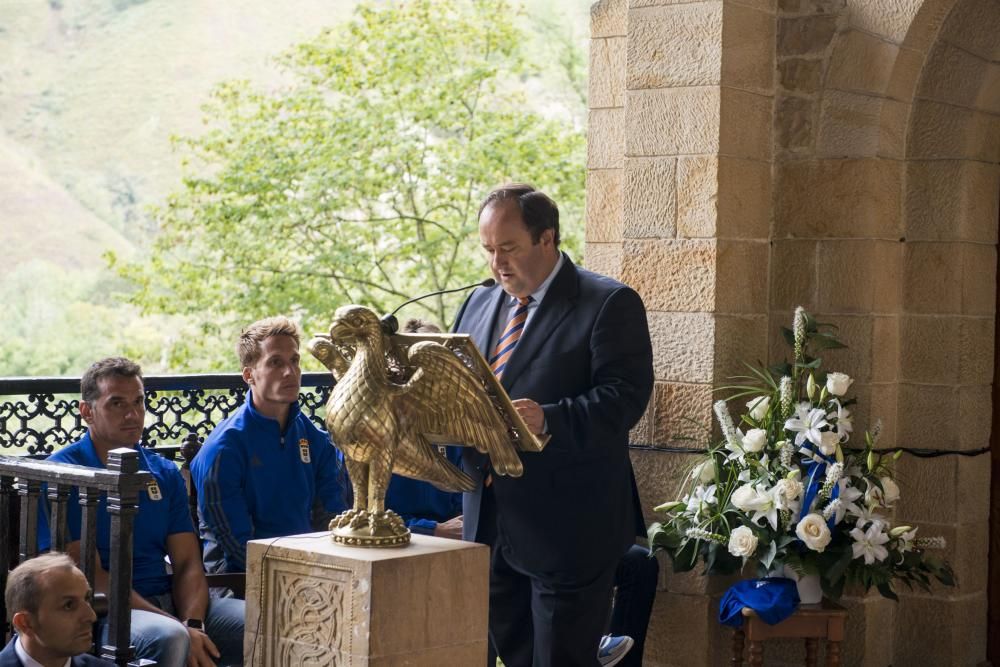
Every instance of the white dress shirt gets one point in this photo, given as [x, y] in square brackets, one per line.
[27, 660]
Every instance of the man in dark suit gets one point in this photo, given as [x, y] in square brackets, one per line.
[572, 349]
[49, 599]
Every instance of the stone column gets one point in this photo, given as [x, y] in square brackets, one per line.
[313, 602]
[679, 207]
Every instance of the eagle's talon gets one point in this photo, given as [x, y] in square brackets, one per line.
[352, 518]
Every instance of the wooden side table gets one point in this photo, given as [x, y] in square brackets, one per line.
[811, 622]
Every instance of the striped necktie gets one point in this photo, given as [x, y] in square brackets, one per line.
[508, 339]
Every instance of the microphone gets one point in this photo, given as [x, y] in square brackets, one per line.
[390, 324]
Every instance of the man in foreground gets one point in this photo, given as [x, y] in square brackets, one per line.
[48, 599]
[572, 349]
[261, 470]
[173, 622]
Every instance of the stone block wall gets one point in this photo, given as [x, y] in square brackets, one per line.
[750, 156]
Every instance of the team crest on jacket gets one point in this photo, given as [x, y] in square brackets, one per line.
[153, 490]
[304, 451]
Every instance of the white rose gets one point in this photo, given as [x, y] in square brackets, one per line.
[786, 491]
[754, 440]
[838, 383]
[758, 407]
[742, 542]
[890, 490]
[828, 442]
[704, 472]
[812, 530]
[745, 498]
[886, 496]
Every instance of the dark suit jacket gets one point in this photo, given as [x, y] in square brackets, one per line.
[585, 356]
[8, 658]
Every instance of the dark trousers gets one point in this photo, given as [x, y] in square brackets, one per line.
[538, 621]
[635, 583]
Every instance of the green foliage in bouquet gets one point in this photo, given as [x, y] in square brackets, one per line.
[785, 489]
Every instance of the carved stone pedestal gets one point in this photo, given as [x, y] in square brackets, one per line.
[313, 602]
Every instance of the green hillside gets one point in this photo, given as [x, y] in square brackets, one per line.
[91, 92]
[42, 220]
[96, 88]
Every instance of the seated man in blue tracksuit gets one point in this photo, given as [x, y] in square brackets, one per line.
[173, 621]
[426, 509]
[262, 469]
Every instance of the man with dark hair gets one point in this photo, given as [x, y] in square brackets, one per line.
[572, 349]
[48, 600]
[537, 209]
[173, 622]
[261, 470]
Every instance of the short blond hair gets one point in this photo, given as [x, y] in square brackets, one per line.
[23, 591]
[248, 347]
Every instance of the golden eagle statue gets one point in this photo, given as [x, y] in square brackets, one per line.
[396, 399]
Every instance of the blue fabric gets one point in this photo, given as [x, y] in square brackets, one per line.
[156, 520]
[421, 504]
[774, 599]
[253, 483]
[816, 475]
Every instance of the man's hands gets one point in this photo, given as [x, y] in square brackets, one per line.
[202, 649]
[452, 528]
[531, 413]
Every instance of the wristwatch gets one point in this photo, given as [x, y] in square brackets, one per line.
[195, 623]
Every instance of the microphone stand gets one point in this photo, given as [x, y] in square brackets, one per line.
[390, 324]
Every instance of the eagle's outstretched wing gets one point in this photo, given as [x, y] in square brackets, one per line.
[447, 400]
[419, 459]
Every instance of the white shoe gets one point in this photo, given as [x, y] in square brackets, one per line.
[613, 649]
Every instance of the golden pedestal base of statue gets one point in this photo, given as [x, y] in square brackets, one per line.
[361, 528]
[311, 601]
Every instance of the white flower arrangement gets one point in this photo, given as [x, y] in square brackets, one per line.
[785, 489]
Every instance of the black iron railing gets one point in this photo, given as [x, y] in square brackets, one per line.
[22, 483]
[39, 415]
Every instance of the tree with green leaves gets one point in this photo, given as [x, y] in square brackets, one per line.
[358, 180]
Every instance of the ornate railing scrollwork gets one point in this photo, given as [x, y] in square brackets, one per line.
[39, 415]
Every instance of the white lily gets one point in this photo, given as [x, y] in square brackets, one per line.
[807, 424]
[848, 495]
[845, 422]
[868, 543]
[906, 539]
[760, 504]
[867, 514]
[697, 502]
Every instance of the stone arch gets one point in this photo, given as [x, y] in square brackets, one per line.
[947, 301]
[875, 207]
[901, 189]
